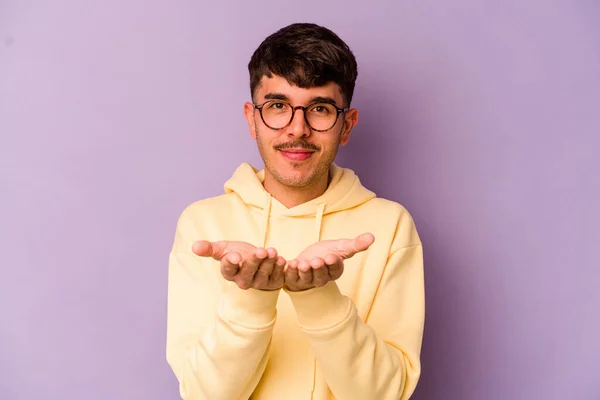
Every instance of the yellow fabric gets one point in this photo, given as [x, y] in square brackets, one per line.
[356, 338]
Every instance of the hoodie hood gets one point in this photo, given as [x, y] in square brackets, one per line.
[344, 192]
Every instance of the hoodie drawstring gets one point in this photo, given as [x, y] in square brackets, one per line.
[319, 220]
[264, 226]
[265, 221]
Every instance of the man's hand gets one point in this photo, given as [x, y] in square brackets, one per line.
[244, 264]
[323, 262]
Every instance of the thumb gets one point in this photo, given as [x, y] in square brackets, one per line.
[216, 250]
[349, 247]
[363, 242]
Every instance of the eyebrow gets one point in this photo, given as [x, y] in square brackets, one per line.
[276, 96]
[321, 99]
[317, 99]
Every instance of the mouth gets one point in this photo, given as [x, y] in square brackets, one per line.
[297, 154]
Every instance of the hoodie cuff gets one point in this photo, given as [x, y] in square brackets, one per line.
[321, 308]
[252, 308]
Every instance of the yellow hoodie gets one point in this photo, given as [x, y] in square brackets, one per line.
[356, 338]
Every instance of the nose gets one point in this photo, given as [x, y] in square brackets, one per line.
[298, 126]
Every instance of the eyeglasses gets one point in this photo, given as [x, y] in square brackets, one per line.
[320, 117]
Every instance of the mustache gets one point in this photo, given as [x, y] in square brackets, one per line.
[297, 144]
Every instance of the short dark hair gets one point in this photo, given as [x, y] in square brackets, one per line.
[306, 55]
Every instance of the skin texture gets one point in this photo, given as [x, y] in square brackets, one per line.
[296, 182]
[291, 182]
[323, 262]
[259, 268]
[244, 264]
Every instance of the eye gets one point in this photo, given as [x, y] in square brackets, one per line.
[322, 109]
[277, 105]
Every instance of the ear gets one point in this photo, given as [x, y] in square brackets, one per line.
[249, 114]
[350, 121]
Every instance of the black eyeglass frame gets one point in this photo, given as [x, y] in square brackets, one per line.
[338, 110]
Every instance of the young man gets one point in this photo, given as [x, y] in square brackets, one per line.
[278, 288]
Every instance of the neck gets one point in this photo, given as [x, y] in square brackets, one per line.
[294, 196]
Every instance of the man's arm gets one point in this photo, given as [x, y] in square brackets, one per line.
[379, 359]
[218, 335]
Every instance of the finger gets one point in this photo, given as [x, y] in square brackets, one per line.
[277, 274]
[335, 265]
[317, 262]
[264, 270]
[233, 257]
[285, 267]
[332, 258]
[321, 276]
[204, 248]
[305, 277]
[230, 265]
[303, 265]
[250, 264]
[229, 271]
[335, 270]
[347, 248]
[255, 257]
[291, 274]
[290, 264]
[364, 241]
[271, 253]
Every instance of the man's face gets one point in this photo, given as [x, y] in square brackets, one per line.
[297, 156]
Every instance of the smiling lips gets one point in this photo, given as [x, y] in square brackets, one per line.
[297, 154]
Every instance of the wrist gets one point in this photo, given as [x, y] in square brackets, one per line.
[250, 307]
[322, 307]
[288, 289]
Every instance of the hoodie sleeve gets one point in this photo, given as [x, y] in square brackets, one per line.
[218, 336]
[379, 358]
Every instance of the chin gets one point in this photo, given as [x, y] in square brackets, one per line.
[294, 177]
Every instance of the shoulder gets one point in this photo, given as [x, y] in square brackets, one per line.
[208, 206]
[389, 209]
[198, 218]
[392, 212]
[206, 212]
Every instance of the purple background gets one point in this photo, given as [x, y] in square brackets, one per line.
[481, 117]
